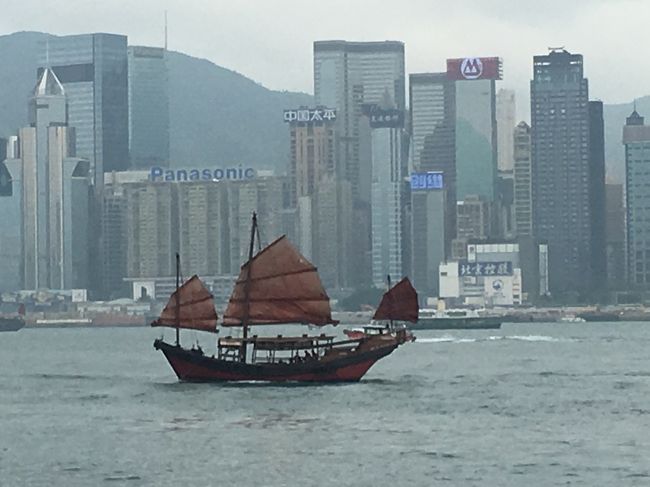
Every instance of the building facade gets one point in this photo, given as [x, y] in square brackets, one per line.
[93, 71]
[506, 113]
[55, 188]
[636, 137]
[615, 236]
[561, 174]
[148, 107]
[428, 230]
[433, 142]
[347, 76]
[476, 125]
[389, 176]
[523, 225]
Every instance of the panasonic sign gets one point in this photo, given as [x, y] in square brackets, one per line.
[159, 174]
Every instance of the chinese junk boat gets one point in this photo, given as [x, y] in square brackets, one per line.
[276, 286]
[399, 303]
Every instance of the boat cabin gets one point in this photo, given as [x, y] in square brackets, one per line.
[276, 350]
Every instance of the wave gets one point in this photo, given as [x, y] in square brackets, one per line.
[445, 340]
[524, 338]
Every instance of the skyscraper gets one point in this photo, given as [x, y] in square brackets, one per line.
[522, 181]
[636, 137]
[389, 171]
[428, 230]
[597, 195]
[615, 235]
[313, 149]
[55, 194]
[11, 211]
[476, 126]
[561, 174]
[93, 71]
[433, 141]
[148, 107]
[348, 75]
[506, 113]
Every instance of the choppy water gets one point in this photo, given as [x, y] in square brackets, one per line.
[536, 405]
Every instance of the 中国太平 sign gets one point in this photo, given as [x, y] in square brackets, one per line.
[310, 115]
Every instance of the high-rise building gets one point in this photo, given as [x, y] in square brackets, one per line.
[347, 76]
[561, 169]
[389, 176]
[597, 195]
[506, 113]
[11, 239]
[332, 218]
[55, 194]
[615, 235]
[476, 125]
[474, 222]
[148, 107]
[433, 142]
[313, 149]
[522, 181]
[93, 71]
[428, 230]
[636, 137]
[152, 229]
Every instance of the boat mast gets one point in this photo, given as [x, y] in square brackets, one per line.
[391, 302]
[178, 299]
[247, 288]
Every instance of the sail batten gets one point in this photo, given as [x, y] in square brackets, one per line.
[191, 306]
[399, 303]
[278, 285]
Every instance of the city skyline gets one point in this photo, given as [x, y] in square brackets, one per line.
[276, 53]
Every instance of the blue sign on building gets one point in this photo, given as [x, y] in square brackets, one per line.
[484, 269]
[426, 181]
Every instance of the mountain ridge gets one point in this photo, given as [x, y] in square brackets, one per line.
[218, 117]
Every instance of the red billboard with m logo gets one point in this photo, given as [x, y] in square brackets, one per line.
[474, 68]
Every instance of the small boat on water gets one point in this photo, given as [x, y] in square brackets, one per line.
[275, 286]
[399, 303]
[455, 319]
[13, 322]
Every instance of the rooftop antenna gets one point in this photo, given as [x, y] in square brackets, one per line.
[47, 52]
[165, 30]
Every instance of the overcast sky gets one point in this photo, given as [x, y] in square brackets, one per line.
[271, 41]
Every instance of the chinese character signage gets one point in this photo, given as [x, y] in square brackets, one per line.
[426, 181]
[484, 269]
[310, 115]
[380, 118]
[473, 68]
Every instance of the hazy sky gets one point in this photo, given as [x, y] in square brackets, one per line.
[271, 41]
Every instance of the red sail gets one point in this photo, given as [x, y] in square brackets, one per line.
[196, 308]
[284, 287]
[399, 303]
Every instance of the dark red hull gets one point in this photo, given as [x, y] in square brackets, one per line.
[193, 366]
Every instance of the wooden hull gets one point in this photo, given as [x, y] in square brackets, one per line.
[193, 366]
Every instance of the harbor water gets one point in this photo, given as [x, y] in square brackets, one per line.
[530, 404]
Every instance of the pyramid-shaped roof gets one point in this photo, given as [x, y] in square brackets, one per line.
[48, 84]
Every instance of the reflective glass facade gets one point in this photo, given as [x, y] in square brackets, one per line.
[148, 107]
[93, 71]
